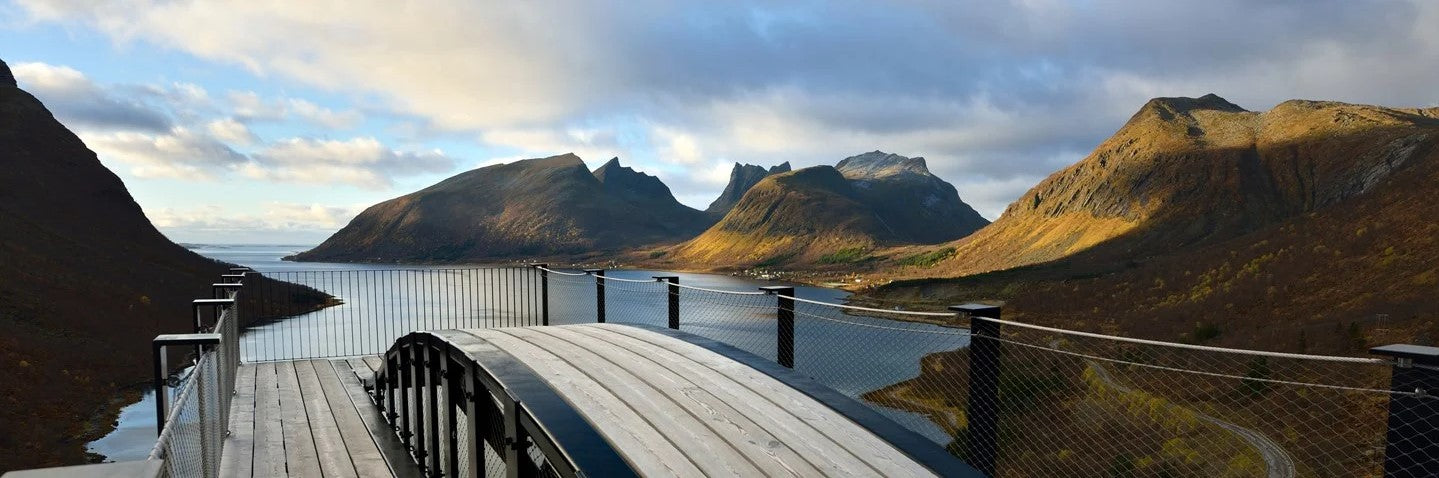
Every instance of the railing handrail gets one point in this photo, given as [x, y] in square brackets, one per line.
[1204, 348]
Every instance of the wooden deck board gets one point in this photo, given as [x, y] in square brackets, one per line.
[364, 453]
[710, 452]
[874, 452]
[330, 447]
[653, 396]
[239, 449]
[309, 418]
[269, 459]
[746, 431]
[648, 448]
[391, 448]
[301, 458]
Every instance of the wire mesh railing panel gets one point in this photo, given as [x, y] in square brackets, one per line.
[1083, 406]
[372, 308]
[864, 354]
[746, 322]
[572, 299]
[194, 430]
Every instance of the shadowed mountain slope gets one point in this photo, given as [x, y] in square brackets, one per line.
[531, 208]
[86, 282]
[1186, 171]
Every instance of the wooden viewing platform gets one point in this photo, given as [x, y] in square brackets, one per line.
[667, 406]
[310, 418]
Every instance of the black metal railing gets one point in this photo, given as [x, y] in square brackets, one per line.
[192, 426]
[459, 414]
[1013, 399]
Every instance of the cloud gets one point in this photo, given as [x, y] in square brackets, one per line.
[180, 153]
[363, 162]
[249, 106]
[992, 93]
[231, 131]
[76, 100]
[305, 222]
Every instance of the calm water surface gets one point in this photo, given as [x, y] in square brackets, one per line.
[829, 345]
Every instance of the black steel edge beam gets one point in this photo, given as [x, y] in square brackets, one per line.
[916, 446]
[167, 340]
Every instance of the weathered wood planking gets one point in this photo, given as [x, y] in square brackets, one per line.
[269, 459]
[360, 445]
[300, 456]
[674, 408]
[839, 432]
[239, 448]
[330, 448]
[308, 418]
[391, 448]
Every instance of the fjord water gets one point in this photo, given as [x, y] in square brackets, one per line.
[849, 358]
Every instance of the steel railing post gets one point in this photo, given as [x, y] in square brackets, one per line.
[474, 423]
[784, 315]
[402, 390]
[982, 434]
[599, 293]
[433, 391]
[673, 290]
[513, 437]
[417, 384]
[544, 293]
[1412, 442]
[159, 352]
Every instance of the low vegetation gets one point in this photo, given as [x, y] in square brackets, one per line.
[926, 259]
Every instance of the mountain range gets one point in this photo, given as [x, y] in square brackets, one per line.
[86, 282]
[826, 215]
[556, 208]
[1275, 227]
[540, 207]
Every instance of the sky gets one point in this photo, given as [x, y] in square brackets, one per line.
[275, 122]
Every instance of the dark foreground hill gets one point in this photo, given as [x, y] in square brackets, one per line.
[544, 207]
[827, 215]
[85, 283]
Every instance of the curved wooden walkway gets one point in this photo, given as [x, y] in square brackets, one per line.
[673, 404]
[668, 404]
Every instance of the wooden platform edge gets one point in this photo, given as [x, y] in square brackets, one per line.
[396, 456]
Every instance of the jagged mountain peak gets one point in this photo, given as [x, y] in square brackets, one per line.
[741, 178]
[876, 164]
[634, 184]
[6, 77]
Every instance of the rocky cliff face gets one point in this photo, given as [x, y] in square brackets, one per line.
[741, 179]
[834, 215]
[921, 207]
[531, 208]
[1186, 171]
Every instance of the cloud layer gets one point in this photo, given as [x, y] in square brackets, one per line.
[994, 94]
[143, 127]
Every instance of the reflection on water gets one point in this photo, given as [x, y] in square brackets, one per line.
[134, 433]
[381, 304]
